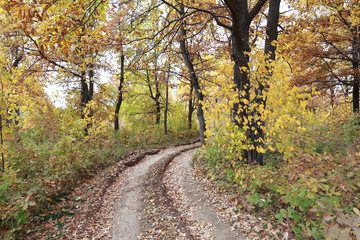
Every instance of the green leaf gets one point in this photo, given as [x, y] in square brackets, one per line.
[288, 197]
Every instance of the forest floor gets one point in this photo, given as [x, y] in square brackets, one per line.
[152, 195]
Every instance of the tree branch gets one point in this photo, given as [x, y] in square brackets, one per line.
[256, 9]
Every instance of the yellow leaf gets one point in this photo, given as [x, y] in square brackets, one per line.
[356, 211]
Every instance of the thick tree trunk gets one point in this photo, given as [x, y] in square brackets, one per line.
[194, 81]
[240, 42]
[241, 79]
[120, 94]
[271, 29]
[257, 136]
[241, 19]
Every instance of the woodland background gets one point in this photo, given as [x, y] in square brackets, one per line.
[274, 86]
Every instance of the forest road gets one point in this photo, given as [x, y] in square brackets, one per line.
[178, 180]
[188, 194]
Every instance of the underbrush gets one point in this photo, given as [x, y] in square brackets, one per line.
[320, 178]
[43, 166]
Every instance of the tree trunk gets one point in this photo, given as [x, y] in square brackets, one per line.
[157, 103]
[194, 80]
[356, 87]
[257, 136]
[16, 63]
[120, 93]
[241, 79]
[156, 96]
[241, 19]
[271, 29]
[2, 144]
[87, 92]
[191, 106]
[355, 65]
[157, 92]
[84, 91]
[240, 43]
[332, 97]
[166, 106]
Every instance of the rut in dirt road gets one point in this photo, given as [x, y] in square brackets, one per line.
[188, 195]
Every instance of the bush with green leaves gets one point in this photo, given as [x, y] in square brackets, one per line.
[321, 177]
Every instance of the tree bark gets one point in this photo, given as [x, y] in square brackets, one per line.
[241, 20]
[154, 96]
[87, 92]
[2, 144]
[166, 105]
[356, 87]
[120, 93]
[157, 103]
[271, 29]
[194, 80]
[191, 106]
[240, 45]
[157, 92]
[257, 136]
[17, 61]
[355, 65]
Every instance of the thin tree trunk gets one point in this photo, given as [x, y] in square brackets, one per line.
[157, 92]
[155, 97]
[1, 128]
[194, 81]
[191, 106]
[355, 65]
[166, 106]
[91, 83]
[157, 103]
[120, 93]
[16, 63]
[332, 97]
[2, 144]
[84, 100]
[356, 87]
[87, 92]
[84, 92]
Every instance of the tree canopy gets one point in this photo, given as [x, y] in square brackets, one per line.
[270, 82]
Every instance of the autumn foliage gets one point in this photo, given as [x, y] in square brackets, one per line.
[275, 90]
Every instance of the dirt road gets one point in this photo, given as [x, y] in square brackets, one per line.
[173, 195]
